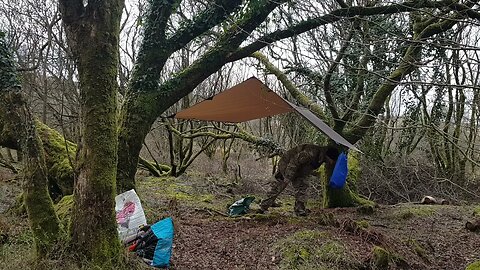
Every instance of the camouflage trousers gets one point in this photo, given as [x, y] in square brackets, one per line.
[300, 185]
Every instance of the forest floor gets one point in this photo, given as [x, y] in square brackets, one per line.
[402, 236]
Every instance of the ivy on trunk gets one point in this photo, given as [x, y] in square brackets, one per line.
[17, 119]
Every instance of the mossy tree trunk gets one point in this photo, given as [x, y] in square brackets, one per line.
[347, 196]
[333, 197]
[17, 119]
[93, 36]
[146, 100]
[60, 159]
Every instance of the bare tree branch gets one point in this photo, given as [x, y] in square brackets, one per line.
[334, 16]
[290, 86]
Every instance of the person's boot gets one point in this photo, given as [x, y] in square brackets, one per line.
[263, 208]
[300, 209]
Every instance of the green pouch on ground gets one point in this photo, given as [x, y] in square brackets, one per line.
[241, 206]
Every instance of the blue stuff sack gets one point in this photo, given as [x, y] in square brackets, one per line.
[163, 230]
[340, 172]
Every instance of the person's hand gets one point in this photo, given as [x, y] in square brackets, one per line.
[330, 161]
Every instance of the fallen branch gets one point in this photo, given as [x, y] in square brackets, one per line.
[211, 211]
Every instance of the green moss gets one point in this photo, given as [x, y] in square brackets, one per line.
[411, 212]
[208, 198]
[169, 188]
[64, 210]
[42, 218]
[60, 154]
[347, 196]
[364, 224]
[473, 266]
[157, 192]
[418, 249]
[380, 257]
[327, 219]
[354, 170]
[332, 251]
[312, 249]
[476, 211]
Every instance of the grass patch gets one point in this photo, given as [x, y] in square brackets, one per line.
[412, 212]
[473, 266]
[311, 249]
[364, 224]
[476, 211]
[418, 249]
[156, 193]
[170, 187]
[382, 258]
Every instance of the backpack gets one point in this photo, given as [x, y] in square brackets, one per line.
[155, 246]
[340, 172]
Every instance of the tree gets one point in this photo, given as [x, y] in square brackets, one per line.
[355, 129]
[93, 37]
[147, 99]
[19, 121]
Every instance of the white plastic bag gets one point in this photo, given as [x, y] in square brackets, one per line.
[129, 214]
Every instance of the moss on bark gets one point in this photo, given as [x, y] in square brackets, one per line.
[347, 196]
[60, 154]
[93, 35]
[381, 258]
[64, 211]
[18, 120]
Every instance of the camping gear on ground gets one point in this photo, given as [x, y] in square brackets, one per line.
[241, 206]
[340, 172]
[155, 245]
[129, 214]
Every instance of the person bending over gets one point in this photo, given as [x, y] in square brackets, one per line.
[294, 166]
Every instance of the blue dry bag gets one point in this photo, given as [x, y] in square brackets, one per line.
[340, 172]
[163, 230]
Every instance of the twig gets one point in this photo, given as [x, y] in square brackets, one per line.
[457, 185]
[211, 211]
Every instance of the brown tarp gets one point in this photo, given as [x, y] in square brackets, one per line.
[318, 123]
[250, 100]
